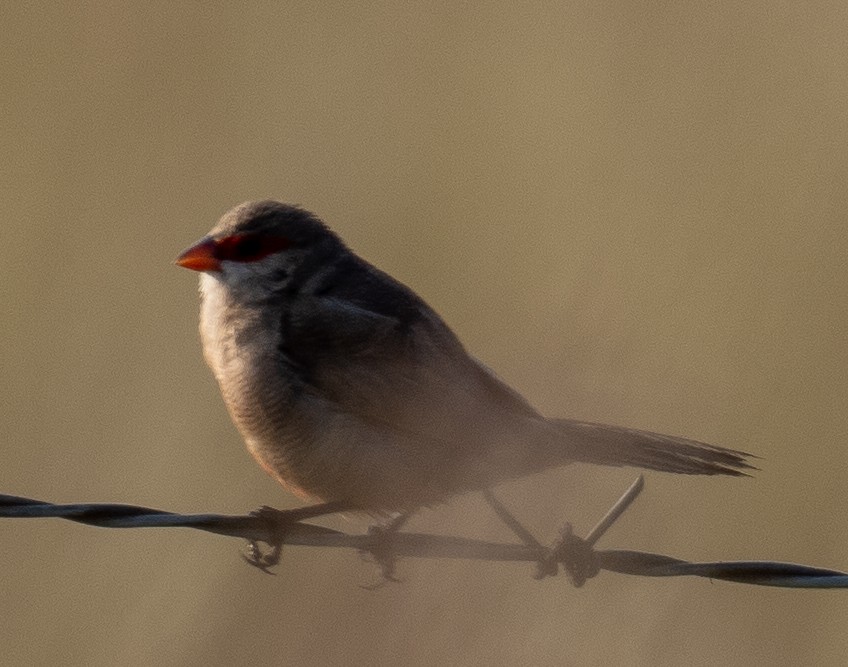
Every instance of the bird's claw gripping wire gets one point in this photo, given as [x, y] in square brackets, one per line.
[381, 549]
[275, 524]
[274, 528]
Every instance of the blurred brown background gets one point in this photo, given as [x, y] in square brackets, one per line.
[634, 212]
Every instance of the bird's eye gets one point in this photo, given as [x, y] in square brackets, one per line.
[249, 247]
[245, 247]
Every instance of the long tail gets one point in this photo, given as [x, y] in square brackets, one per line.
[618, 446]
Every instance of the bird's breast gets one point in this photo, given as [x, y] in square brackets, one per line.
[259, 386]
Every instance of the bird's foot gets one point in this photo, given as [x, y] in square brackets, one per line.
[381, 549]
[274, 524]
[261, 558]
[547, 565]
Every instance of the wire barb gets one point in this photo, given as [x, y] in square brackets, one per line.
[620, 507]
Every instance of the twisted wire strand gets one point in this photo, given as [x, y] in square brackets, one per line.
[418, 545]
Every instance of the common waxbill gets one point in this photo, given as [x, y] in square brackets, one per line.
[349, 389]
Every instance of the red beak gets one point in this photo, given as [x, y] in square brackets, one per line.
[200, 257]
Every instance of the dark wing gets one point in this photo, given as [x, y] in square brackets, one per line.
[377, 351]
[383, 357]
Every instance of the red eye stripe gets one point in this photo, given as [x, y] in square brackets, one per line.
[249, 247]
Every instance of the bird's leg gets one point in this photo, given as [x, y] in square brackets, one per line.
[546, 565]
[276, 523]
[381, 546]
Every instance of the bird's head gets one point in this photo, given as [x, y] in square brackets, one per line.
[258, 247]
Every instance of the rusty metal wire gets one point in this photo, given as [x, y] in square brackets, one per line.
[577, 556]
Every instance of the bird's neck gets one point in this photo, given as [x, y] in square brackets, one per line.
[241, 343]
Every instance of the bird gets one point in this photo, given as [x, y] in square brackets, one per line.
[353, 393]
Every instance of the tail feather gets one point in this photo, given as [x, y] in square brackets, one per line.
[619, 446]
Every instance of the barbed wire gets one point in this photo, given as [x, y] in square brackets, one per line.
[577, 556]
